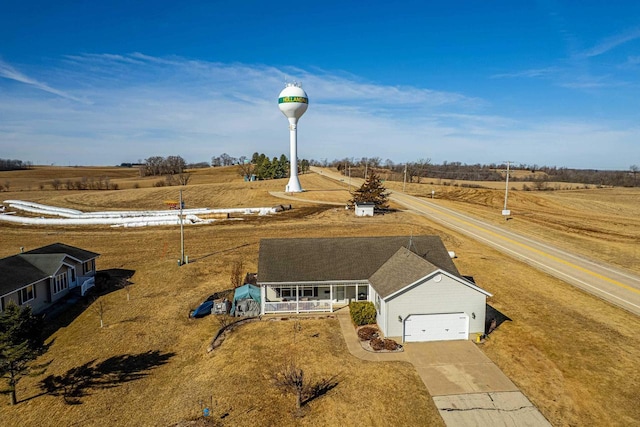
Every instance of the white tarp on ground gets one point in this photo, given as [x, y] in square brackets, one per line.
[117, 218]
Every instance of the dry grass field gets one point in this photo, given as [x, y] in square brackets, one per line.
[572, 354]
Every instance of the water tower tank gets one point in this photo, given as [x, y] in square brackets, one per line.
[293, 101]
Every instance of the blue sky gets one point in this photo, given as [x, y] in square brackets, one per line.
[100, 83]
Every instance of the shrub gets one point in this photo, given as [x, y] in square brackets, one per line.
[377, 344]
[367, 333]
[363, 313]
[390, 344]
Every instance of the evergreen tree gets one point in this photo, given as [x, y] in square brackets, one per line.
[372, 191]
[20, 342]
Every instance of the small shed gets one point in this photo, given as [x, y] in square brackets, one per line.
[246, 301]
[364, 209]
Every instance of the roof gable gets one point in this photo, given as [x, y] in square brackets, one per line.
[341, 259]
[47, 263]
[402, 269]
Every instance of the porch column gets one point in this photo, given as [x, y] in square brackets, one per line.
[263, 298]
[297, 299]
[331, 296]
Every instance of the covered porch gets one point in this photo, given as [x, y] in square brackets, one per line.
[310, 297]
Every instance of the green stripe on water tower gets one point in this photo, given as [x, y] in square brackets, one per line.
[286, 99]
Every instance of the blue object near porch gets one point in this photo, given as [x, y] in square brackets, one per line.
[203, 309]
[246, 301]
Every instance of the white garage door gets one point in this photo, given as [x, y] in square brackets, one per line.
[436, 327]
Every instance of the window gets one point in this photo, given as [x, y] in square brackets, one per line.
[87, 267]
[60, 283]
[27, 294]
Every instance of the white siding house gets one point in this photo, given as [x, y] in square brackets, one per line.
[417, 301]
[43, 276]
[417, 290]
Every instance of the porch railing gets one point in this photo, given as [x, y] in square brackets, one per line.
[298, 306]
[88, 283]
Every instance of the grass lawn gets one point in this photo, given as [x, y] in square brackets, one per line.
[572, 354]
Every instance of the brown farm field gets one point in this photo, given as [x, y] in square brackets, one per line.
[572, 354]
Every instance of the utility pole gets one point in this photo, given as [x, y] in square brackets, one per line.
[505, 211]
[349, 178]
[404, 183]
[181, 232]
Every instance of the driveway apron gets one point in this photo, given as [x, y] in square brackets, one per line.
[466, 386]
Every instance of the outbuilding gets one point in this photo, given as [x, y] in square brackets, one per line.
[364, 209]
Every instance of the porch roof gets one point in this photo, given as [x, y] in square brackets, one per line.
[341, 258]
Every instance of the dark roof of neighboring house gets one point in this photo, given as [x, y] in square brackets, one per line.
[402, 269]
[23, 269]
[343, 258]
[16, 272]
[61, 248]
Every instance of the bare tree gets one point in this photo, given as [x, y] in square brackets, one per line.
[290, 379]
[100, 308]
[236, 274]
[634, 170]
[183, 178]
[224, 320]
[246, 169]
[125, 284]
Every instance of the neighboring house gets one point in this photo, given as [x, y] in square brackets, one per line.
[41, 277]
[364, 209]
[417, 290]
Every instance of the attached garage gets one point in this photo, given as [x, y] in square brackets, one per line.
[417, 300]
[436, 327]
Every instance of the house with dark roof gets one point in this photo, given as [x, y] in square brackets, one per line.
[416, 288]
[43, 276]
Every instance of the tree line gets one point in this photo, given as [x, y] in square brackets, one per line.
[422, 169]
[263, 167]
[13, 164]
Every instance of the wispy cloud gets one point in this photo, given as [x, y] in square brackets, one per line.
[531, 73]
[611, 42]
[9, 72]
[144, 106]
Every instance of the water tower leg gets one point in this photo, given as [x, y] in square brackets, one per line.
[294, 183]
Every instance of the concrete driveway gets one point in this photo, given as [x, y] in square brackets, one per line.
[468, 388]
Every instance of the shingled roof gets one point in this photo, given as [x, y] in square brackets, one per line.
[20, 270]
[60, 248]
[402, 269]
[342, 258]
[16, 272]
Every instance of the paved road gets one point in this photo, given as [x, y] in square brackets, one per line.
[607, 282]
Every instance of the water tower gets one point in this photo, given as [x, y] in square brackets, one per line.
[293, 102]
